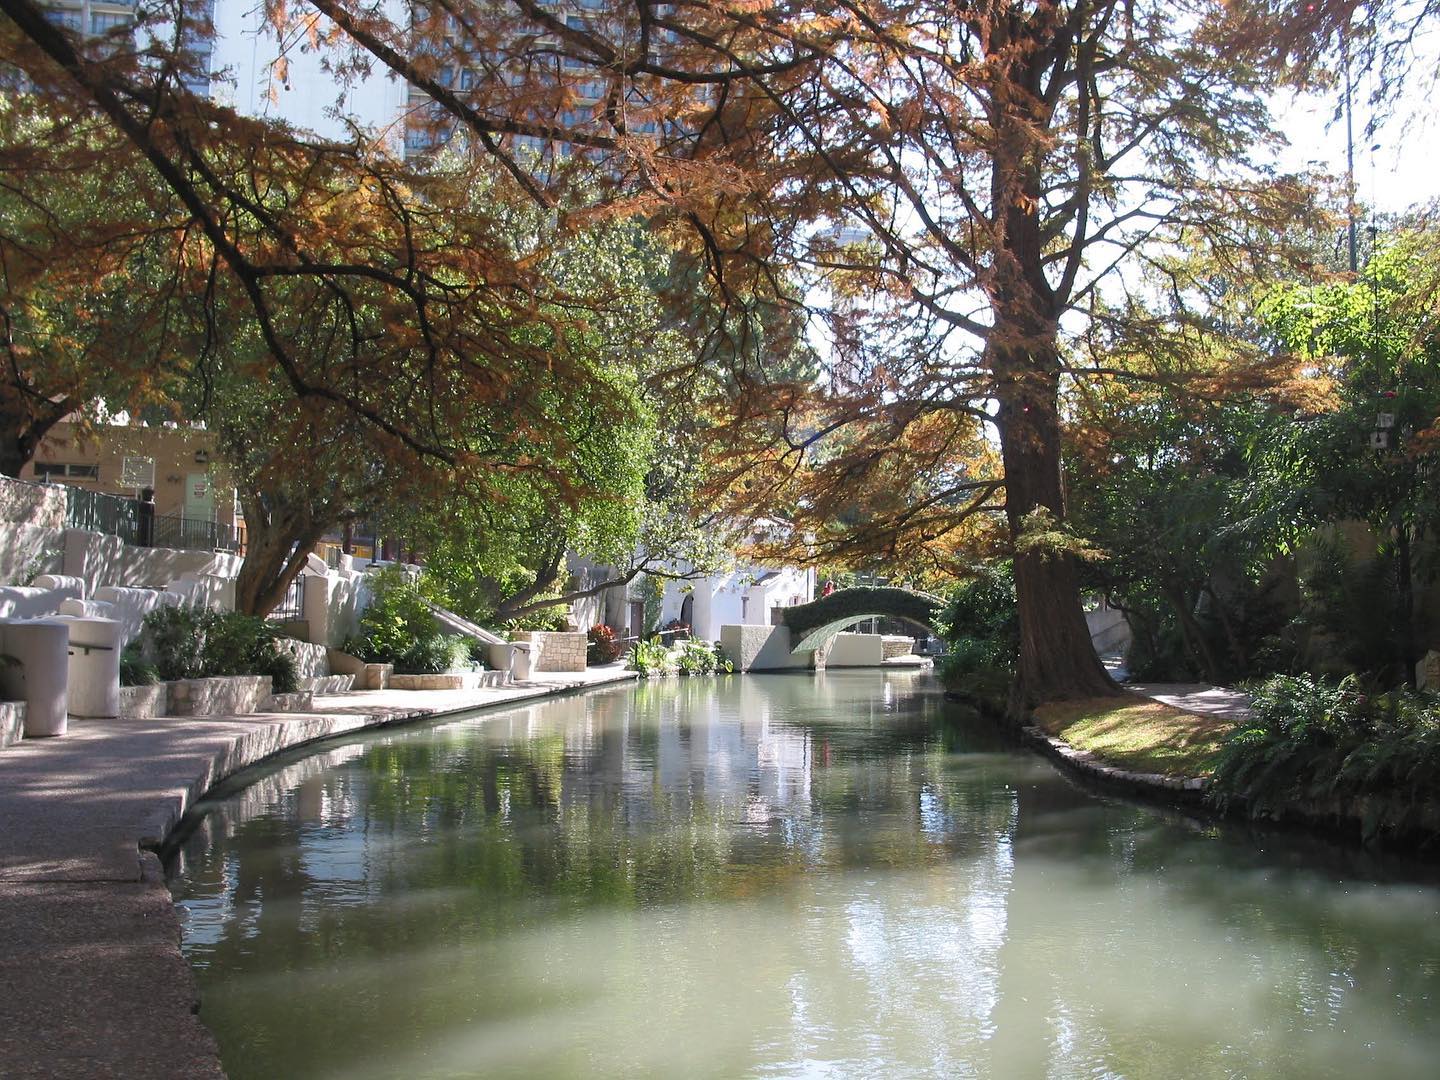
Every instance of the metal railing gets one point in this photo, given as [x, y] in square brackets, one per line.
[95, 511]
[291, 608]
[115, 515]
[197, 534]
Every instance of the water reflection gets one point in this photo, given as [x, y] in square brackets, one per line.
[772, 876]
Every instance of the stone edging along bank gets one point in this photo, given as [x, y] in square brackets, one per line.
[1188, 792]
[1343, 824]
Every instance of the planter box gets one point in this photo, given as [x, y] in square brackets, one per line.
[12, 722]
[226, 695]
[138, 702]
[367, 676]
[551, 650]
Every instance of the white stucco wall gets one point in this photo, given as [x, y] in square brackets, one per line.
[737, 598]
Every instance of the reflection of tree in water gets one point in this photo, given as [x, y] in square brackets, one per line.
[993, 914]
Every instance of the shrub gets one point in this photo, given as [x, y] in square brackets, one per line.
[605, 645]
[397, 619]
[197, 643]
[434, 654]
[478, 652]
[173, 641]
[134, 670]
[1324, 746]
[649, 658]
[981, 628]
[702, 658]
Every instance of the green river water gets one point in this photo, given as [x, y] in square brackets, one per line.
[776, 876]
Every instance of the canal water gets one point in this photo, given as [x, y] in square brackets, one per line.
[776, 876]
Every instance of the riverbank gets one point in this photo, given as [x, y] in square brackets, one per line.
[95, 985]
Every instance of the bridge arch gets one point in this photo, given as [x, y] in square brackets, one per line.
[814, 624]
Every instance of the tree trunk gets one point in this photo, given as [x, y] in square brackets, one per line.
[1057, 660]
[22, 427]
[276, 547]
[1194, 634]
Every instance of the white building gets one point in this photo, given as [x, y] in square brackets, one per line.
[748, 596]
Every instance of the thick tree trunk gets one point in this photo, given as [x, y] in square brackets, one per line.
[1057, 660]
[22, 425]
[276, 548]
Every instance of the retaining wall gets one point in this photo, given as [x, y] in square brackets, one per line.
[228, 695]
[552, 650]
[39, 505]
[763, 648]
[141, 702]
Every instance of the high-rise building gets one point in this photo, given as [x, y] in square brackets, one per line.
[240, 62]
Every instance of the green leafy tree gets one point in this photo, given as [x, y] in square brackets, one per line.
[1374, 455]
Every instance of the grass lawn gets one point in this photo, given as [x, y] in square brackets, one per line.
[1141, 735]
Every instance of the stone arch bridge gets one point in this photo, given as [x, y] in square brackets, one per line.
[815, 624]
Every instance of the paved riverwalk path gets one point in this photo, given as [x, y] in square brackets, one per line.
[92, 982]
[1216, 701]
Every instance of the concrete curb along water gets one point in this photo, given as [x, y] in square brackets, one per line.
[1188, 791]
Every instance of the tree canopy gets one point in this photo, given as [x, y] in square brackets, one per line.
[954, 190]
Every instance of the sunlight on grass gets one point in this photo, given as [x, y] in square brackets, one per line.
[1145, 736]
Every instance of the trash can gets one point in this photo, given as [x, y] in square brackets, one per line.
[94, 680]
[39, 675]
[511, 657]
[520, 665]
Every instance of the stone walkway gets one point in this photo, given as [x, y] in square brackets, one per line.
[92, 982]
[1214, 701]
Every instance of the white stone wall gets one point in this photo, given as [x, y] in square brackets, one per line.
[12, 722]
[108, 560]
[333, 605]
[27, 550]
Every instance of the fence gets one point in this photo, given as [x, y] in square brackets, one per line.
[114, 515]
[292, 608]
[95, 511]
[197, 534]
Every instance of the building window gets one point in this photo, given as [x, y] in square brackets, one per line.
[101, 21]
[71, 20]
[54, 470]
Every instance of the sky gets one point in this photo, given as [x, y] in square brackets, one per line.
[1402, 169]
